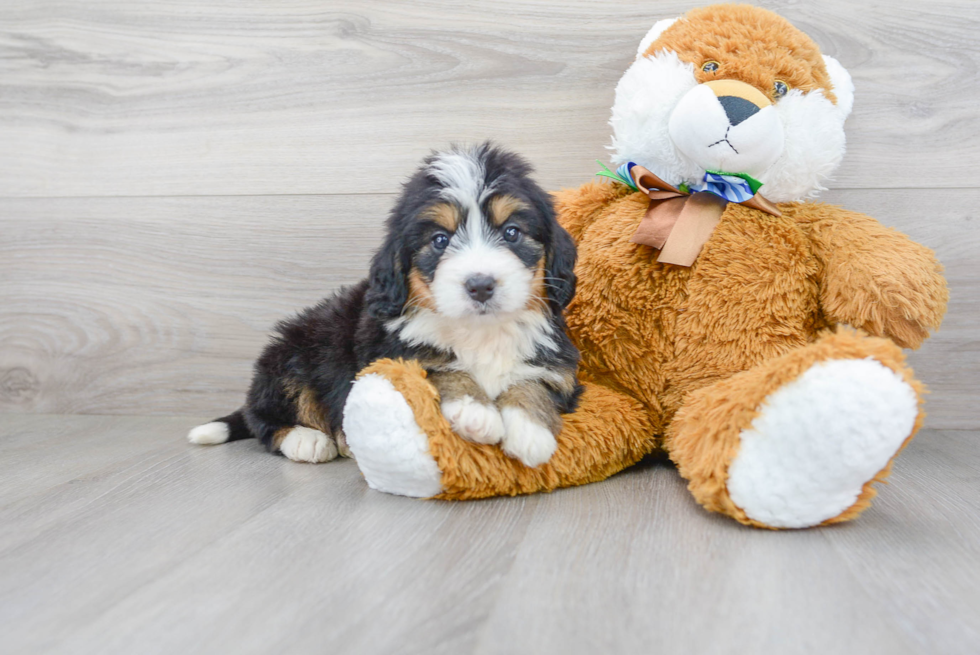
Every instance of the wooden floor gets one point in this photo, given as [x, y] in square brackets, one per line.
[177, 176]
[117, 537]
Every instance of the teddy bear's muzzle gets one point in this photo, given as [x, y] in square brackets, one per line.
[727, 126]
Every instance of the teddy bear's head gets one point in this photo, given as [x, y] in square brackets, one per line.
[733, 89]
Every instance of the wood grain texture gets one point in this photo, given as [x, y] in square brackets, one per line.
[683, 581]
[132, 97]
[162, 547]
[160, 305]
[139, 305]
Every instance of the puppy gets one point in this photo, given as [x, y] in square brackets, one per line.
[471, 281]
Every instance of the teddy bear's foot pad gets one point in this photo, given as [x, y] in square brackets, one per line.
[818, 439]
[386, 441]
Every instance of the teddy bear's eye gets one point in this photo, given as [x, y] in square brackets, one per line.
[779, 88]
[710, 66]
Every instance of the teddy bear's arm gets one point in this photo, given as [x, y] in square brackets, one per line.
[577, 208]
[875, 278]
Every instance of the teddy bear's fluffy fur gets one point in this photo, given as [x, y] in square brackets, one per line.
[698, 361]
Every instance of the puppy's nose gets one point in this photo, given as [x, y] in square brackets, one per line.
[480, 287]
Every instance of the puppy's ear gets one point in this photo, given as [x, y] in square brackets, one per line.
[388, 282]
[560, 268]
[559, 257]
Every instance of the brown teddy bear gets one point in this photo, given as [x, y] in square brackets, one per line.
[713, 299]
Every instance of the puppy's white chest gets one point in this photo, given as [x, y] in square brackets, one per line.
[495, 357]
[494, 353]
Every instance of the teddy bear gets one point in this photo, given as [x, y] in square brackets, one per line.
[724, 316]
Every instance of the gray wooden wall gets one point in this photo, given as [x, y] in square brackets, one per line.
[176, 176]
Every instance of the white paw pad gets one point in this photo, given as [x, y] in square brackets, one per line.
[308, 445]
[209, 434]
[473, 420]
[526, 439]
[818, 440]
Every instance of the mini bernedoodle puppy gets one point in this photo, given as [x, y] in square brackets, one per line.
[471, 281]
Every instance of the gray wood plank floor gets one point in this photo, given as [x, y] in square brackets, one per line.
[130, 541]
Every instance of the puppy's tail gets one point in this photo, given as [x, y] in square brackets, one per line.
[220, 430]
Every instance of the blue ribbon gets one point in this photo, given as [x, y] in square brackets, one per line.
[729, 187]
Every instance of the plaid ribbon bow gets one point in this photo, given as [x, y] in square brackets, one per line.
[729, 187]
[680, 220]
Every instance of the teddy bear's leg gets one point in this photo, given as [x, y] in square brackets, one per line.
[799, 440]
[404, 445]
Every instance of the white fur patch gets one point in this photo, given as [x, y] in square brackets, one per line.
[473, 420]
[814, 146]
[654, 34]
[304, 444]
[818, 440]
[462, 174]
[525, 439]
[209, 434]
[388, 445]
[645, 97]
[492, 349]
[843, 85]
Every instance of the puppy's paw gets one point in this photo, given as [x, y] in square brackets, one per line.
[308, 445]
[473, 420]
[526, 439]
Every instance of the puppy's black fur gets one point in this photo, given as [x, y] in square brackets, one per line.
[304, 375]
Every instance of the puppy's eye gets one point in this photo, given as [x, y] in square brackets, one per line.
[440, 241]
[779, 88]
[512, 233]
[710, 66]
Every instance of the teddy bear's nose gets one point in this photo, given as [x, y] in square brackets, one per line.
[740, 101]
[737, 109]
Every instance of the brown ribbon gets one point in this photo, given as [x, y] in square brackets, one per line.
[677, 223]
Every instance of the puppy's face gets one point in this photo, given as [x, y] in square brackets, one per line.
[486, 258]
[474, 236]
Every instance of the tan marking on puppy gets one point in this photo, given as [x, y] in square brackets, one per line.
[566, 380]
[501, 207]
[538, 298]
[444, 214]
[419, 294]
[279, 436]
[309, 412]
[534, 399]
[342, 446]
[456, 384]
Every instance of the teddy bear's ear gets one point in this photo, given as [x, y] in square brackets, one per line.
[655, 31]
[843, 86]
